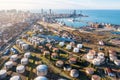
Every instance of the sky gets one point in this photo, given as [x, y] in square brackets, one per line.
[60, 4]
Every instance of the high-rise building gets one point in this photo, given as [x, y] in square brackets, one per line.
[42, 11]
[74, 13]
[50, 11]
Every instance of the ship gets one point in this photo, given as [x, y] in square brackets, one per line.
[71, 20]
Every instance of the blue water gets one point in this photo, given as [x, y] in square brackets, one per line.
[55, 38]
[118, 33]
[100, 16]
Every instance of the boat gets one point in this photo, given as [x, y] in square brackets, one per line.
[70, 20]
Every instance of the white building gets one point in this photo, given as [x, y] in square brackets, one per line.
[44, 19]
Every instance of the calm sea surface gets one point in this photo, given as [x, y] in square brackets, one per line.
[101, 16]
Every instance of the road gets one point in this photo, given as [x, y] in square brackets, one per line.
[13, 40]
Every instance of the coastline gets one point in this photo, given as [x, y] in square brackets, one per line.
[93, 36]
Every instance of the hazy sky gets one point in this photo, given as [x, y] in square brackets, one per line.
[60, 4]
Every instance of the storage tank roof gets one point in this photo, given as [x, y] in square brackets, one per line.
[41, 78]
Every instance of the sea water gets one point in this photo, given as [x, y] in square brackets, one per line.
[100, 16]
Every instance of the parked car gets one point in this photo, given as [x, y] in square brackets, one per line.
[15, 51]
[7, 52]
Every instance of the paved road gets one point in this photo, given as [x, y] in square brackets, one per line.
[13, 40]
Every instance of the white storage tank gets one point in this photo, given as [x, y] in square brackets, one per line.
[40, 78]
[14, 57]
[20, 69]
[112, 58]
[95, 77]
[79, 46]
[101, 55]
[61, 44]
[62, 79]
[74, 73]
[90, 56]
[72, 44]
[15, 78]
[33, 42]
[42, 70]
[54, 55]
[76, 50]
[72, 60]
[92, 52]
[101, 43]
[25, 46]
[18, 41]
[59, 63]
[55, 50]
[117, 62]
[37, 43]
[24, 61]
[27, 55]
[42, 41]
[46, 53]
[96, 61]
[89, 71]
[41, 30]
[8, 64]
[68, 47]
[21, 43]
[3, 74]
[67, 67]
[28, 39]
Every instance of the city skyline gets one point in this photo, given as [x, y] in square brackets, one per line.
[59, 4]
